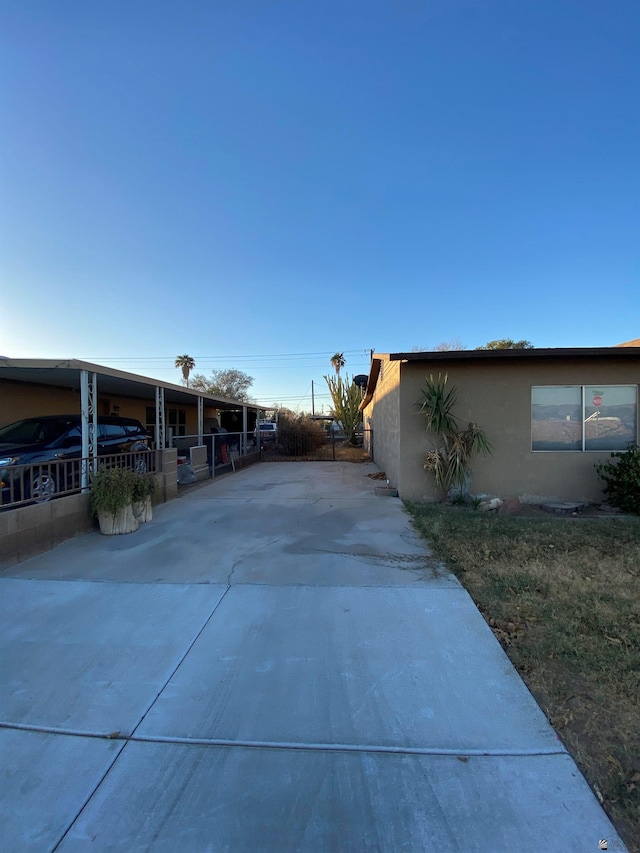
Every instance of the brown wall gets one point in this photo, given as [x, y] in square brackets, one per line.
[382, 417]
[497, 395]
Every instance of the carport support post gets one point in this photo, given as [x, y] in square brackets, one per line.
[244, 430]
[160, 436]
[88, 425]
[200, 419]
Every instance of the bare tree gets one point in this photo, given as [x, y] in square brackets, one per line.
[443, 346]
[229, 384]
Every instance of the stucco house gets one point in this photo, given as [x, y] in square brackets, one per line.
[549, 414]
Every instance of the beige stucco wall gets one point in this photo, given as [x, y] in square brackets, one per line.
[497, 395]
[27, 400]
[18, 401]
[382, 416]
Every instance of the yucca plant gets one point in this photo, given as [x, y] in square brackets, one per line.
[449, 462]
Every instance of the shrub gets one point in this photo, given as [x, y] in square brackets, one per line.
[622, 479]
[298, 434]
[112, 489]
[144, 486]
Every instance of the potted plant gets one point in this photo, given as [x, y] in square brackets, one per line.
[112, 491]
[144, 491]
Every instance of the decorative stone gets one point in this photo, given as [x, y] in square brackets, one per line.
[493, 504]
[510, 506]
[563, 507]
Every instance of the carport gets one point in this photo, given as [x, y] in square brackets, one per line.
[36, 387]
[83, 385]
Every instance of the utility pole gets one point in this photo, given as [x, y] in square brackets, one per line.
[313, 401]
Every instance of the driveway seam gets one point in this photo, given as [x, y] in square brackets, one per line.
[88, 798]
[116, 735]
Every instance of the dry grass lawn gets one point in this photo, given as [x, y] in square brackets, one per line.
[562, 595]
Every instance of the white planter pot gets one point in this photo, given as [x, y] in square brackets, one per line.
[143, 510]
[124, 521]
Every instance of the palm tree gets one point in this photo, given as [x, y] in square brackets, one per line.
[338, 362]
[186, 364]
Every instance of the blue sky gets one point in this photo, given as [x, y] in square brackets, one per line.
[259, 183]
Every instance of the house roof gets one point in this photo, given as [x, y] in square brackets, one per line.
[65, 373]
[632, 348]
[634, 343]
[562, 353]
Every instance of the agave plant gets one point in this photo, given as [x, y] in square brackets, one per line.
[449, 462]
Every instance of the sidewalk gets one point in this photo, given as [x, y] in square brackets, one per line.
[275, 663]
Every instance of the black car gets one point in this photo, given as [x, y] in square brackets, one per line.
[56, 440]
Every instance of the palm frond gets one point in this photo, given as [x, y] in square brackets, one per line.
[449, 462]
[437, 404]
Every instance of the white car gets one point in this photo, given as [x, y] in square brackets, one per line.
[268, 432]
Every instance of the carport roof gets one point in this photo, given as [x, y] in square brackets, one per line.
[65, 373]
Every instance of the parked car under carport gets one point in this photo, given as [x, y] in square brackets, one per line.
[41, 457]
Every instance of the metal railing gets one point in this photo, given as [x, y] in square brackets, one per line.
[219, 446]
[39, 482]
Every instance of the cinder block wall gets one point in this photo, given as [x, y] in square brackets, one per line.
[30, 530]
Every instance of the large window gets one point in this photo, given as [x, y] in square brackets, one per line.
[584, 417]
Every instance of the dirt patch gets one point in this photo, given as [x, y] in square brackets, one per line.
[348, 453]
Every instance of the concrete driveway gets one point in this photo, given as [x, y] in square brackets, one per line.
[274, 663]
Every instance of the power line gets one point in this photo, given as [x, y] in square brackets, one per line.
[290, 355]
[276, 397]
[253, 368]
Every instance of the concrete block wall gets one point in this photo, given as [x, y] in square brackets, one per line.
[168, 479]
[30, 530]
